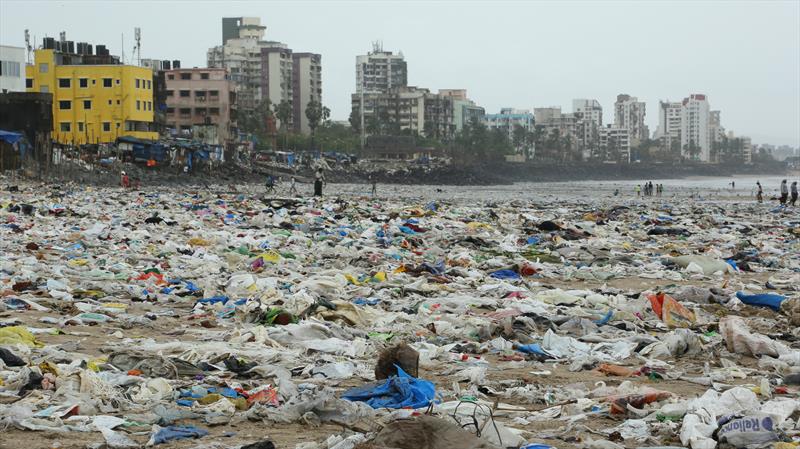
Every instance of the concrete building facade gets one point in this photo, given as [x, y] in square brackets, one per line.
[12, 69]
[204, 96]
[267, 70]
[695, 142]
[668, 132]
[629, 113]
[306, 87]
[408, 108]
[616, 143]
[95, 98]
[380, 71]
[589, 114]
[510, 118]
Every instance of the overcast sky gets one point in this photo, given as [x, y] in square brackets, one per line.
[745, 55]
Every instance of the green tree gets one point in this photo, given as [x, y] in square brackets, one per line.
[316, 113]
[283, 112]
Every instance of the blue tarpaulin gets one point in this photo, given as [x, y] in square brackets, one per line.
[770, 300]
[398, 391]
[10, 137]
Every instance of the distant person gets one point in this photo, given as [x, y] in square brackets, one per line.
[125, 181]
[374, 183]
[270, 185]
[638, 190]
[759, 192]
[616, 192]
[319, 181]
[293, 186]
[784, 192]
[794, 193]
[733, 185]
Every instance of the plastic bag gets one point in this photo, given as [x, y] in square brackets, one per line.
[396, 392]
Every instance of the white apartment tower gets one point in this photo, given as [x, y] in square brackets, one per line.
[591, 120]
[695, 138]
[668, 131]
[379, 71]
[629, 114]
[240, 53]
[12, 69]
[307, 87]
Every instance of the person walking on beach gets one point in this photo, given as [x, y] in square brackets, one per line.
[319, 181]
[784, 192]
[638, 190]
[374, 183]
[794, 193]
[759, 192]
[293, 186]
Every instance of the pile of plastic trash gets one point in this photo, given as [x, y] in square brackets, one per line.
[225, 320]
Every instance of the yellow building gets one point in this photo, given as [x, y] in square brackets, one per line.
[94, 103]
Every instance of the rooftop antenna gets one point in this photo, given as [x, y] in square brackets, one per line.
[123, 47]
[27, 46]
[137, 32]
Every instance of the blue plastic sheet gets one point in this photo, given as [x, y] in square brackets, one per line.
[770, 300]
[505, 274]
[399, 391]
[606, 318]
[172, 433]
[533, 348]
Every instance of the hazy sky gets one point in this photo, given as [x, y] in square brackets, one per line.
[745, 55]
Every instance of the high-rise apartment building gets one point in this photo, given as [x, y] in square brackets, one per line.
[380, 71]
[306, 87]
[629, 114]
[95, 98]
[668, 132]
[590, 117]
[615, 142]
[695, 142]
[267, 70]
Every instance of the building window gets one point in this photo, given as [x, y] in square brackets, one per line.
[87, 104]
[138, 105]
[117, 80]
[65, 127]
[204, 76]
[184, 93]
[65, 105]
[64, 83]
[117, 101]
[80, 127]
[213, 111]
[106, 127]
[106, 82]
[9, 68]
[109, 102]
[170, 110]
[137, 83]
[29, 83]
[149, 105]
[213, 93]
[149, 84]
[186, 111]
[83, 83]
[170, 93]
[170, 77]
[43, 67]
[186, 76]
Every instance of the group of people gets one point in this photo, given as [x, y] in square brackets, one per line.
[649, 189]
[785, 191]
[784, 198]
